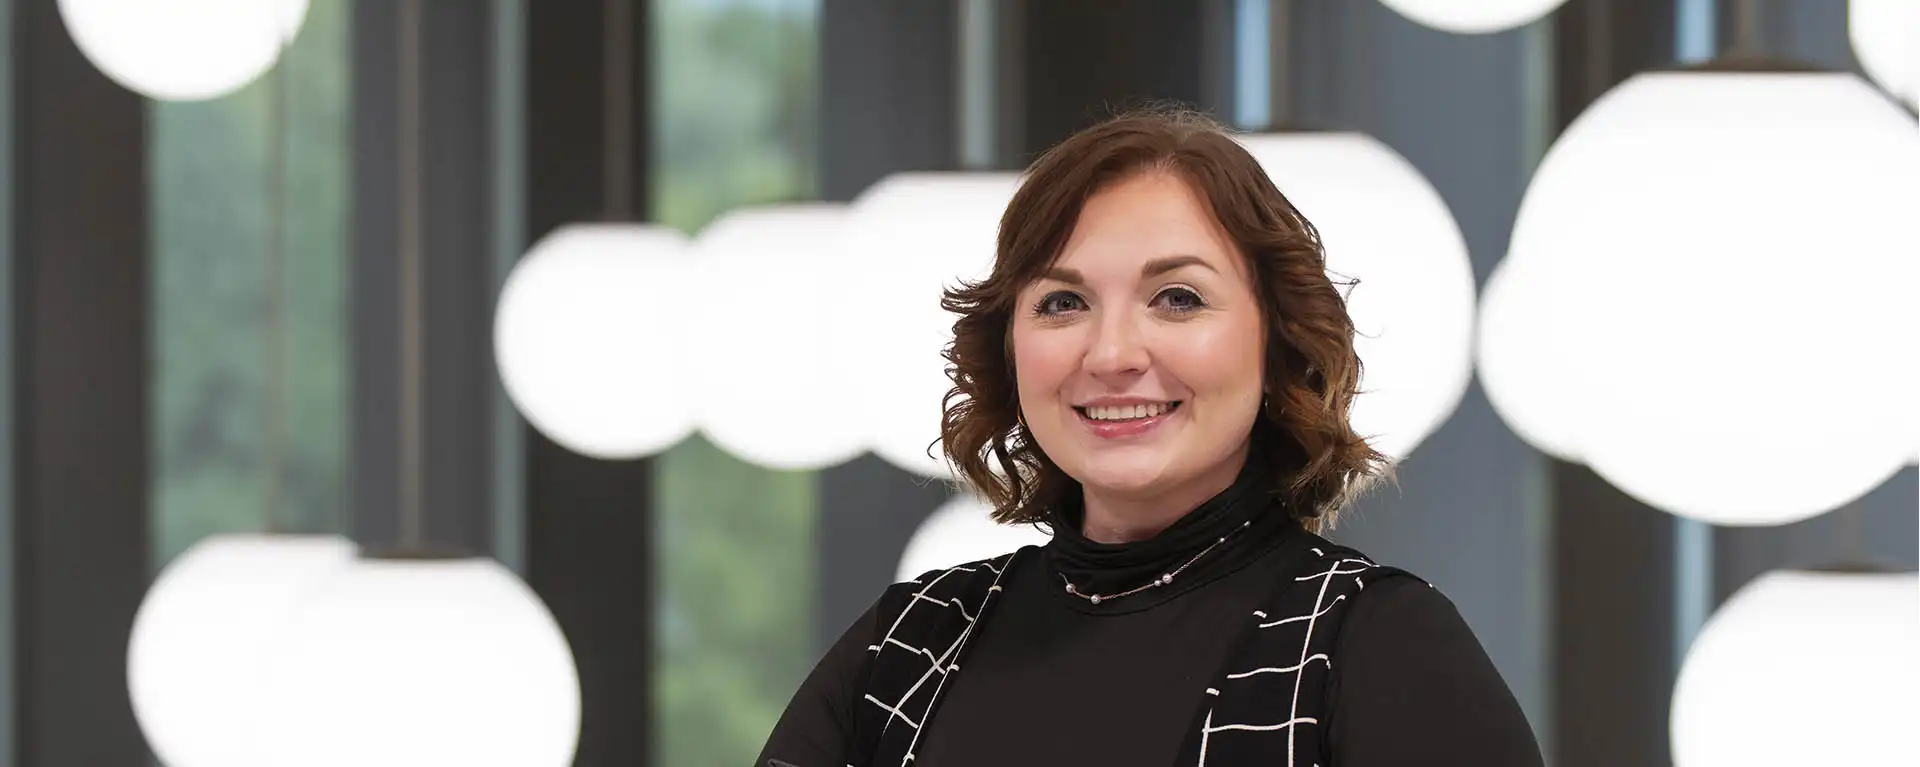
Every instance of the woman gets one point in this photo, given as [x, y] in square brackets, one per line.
[1158, 369]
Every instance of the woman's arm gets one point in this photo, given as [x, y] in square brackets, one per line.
[818, 722]
[1411, 685]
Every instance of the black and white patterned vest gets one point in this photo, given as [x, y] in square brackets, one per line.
[1266, 704]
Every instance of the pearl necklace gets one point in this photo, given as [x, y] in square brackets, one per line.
[1165, 579]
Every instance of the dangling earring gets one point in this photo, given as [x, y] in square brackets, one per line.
[1020, 418]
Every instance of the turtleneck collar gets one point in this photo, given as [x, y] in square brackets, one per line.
[1251, 521]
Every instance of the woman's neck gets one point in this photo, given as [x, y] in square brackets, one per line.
[1127, 517]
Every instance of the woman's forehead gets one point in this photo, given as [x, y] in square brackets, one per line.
[1129, 226]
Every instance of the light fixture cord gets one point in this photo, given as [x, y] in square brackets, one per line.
[1599, 40]
[1851, 534]
[1746, 27]
[412, 427]
[273, 395]
[617, 101]
[976, 77]
[1279, 63]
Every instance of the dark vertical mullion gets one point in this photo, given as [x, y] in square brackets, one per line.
[888, 103]
[81, 303]
[1614, 573]
[456, 39]
[1083, 60]
[589, 523]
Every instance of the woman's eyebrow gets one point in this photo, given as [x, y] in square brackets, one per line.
[1152, 268]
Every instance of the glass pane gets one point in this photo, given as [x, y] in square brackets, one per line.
[733, 126]
[213, 217]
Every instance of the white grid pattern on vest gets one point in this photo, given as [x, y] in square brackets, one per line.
[1321, 606]
[942, 663]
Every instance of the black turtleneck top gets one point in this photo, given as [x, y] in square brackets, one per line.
[1053, 679]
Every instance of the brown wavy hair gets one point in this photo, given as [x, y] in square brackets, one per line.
[1317, 462]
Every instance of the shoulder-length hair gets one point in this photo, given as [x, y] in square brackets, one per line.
[1317, 462]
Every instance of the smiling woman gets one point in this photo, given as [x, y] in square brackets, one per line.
[1159, 369]
[1185, 276]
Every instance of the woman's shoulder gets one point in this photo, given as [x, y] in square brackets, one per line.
[1389, 611]
[1340, 564]
[1408, 662]
[1381, 599]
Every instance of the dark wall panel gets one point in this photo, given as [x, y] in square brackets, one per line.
[589, 523]
[80, 305]
[459, 371]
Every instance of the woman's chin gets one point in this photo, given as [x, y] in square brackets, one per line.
[1124, 477]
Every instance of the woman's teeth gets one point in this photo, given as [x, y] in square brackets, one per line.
[1128, 412]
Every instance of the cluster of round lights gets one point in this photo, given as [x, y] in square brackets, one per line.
[1708, 296]
[288, 651]
[799, 336]
[1708, 300]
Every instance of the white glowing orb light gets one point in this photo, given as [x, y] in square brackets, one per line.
[202, 633]
[962, 530]
[589, 335]
[400, 663]
[1383, 224]
[909, 237]
[1804, 668]
[773, 364]
[182, 50]
[1521, 362]
[1886, 40]
[1737, 312]
[1473, 17]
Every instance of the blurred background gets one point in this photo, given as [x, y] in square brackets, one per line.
[505, 276]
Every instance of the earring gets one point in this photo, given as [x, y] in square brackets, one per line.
[1020, 418]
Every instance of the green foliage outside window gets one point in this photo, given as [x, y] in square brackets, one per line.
[733, 125]
[211, 218]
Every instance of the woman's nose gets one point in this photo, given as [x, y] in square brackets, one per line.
[1118, 348]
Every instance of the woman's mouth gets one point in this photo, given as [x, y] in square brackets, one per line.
[1121, 421]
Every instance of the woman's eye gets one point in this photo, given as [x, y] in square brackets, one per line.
[1179, 300]
[1058, 303]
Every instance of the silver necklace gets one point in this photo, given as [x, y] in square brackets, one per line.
[1165, 579]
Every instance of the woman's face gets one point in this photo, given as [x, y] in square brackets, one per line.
[1139, 353]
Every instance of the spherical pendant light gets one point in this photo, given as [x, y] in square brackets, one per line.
[1886, 40]
[1804, 668]
[1521, 363]
[182, 50]
[1473, 17]
[771, 358]
[407, 661]
[588, 336]
[202, 634]
[909, 236]
[1734, 252]
[1384, 224]
[962, 530]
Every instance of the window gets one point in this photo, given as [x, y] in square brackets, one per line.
[216, 206]
[733, 125]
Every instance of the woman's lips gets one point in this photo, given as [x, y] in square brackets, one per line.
[1126, 429]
